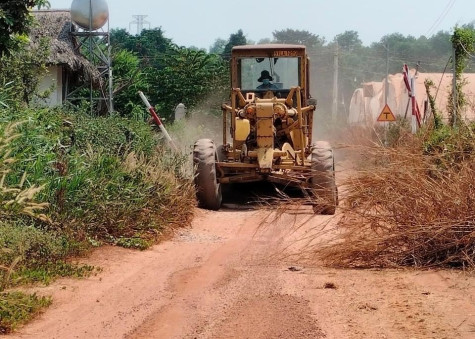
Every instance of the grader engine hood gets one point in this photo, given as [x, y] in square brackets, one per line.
[265, 134]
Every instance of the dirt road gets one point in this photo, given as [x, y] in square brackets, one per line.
[230, 276]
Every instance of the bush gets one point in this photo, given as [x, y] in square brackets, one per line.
[112, 135]
[17, 308]
[34, 246]
[450, 145]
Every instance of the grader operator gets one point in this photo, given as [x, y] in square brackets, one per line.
[269, 119]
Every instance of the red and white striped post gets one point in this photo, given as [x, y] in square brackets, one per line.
[157, 120]
[411, 88]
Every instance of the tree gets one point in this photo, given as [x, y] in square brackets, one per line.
[15, 19]
[348, 41]
[218, 46]
[190, 77]
[149, 45]
[121, 39]
[236, 39]
[152, 41]
[23, 69]
[264, 41]
[440, 44]
[292, 36]
[129, 78]
[463, 42]
[169, 74]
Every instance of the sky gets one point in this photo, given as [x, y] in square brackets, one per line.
[200, 23]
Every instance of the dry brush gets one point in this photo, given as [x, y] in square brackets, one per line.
[407, 207]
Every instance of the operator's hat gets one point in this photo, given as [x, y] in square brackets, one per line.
[265, 75]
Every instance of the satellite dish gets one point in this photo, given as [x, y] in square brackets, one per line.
[81, 11]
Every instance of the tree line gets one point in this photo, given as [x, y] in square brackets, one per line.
[199, 78]
[180, 74]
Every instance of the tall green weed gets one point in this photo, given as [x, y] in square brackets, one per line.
[104, 180]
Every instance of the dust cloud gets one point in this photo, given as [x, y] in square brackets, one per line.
[198, 124]
[324, 126]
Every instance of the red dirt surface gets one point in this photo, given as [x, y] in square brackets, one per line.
[231, 275]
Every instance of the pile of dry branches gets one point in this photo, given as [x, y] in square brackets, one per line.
[406, 208]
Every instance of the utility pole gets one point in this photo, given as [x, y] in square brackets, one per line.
[335, 83]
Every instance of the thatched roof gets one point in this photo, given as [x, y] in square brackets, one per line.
[57, 25]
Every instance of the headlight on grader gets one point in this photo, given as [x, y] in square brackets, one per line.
[280, 111]
[251, 111]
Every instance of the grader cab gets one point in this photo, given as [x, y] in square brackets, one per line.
[269, 121]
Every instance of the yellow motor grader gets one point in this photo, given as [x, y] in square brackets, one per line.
[270, 120]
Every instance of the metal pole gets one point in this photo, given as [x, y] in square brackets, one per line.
[454, 86]
[386, 92]
[414, 103]
[109, 64]
[91, 56]
[386, 85]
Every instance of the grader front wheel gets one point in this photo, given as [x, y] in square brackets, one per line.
[323, 183]
[208, 190]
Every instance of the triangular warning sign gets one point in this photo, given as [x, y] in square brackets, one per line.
[386, 115]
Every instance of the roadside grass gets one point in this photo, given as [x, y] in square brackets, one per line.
[105, 179]
[409, 204]
[36, 255]
[17, 308]
[70, 182]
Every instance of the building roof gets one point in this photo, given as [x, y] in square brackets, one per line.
[268, 46]
[57, 25]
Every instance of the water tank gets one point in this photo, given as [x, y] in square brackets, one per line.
[81, 13]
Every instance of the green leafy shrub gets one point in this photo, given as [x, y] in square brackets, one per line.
[129, 78]
[398, 131]
[22, 71]
[48, 272]
[112, 135]
[33, 245]
[450, 146]
[17, 308]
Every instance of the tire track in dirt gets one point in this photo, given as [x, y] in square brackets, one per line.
[208, 297]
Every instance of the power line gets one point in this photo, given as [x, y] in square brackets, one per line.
[441, 17]
[442, 77]
[468, 53]
[397, 57]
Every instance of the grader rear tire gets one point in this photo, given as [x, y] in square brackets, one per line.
[323, 178]
[208, 190]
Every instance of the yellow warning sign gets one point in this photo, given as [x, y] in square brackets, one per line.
[386, 115]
